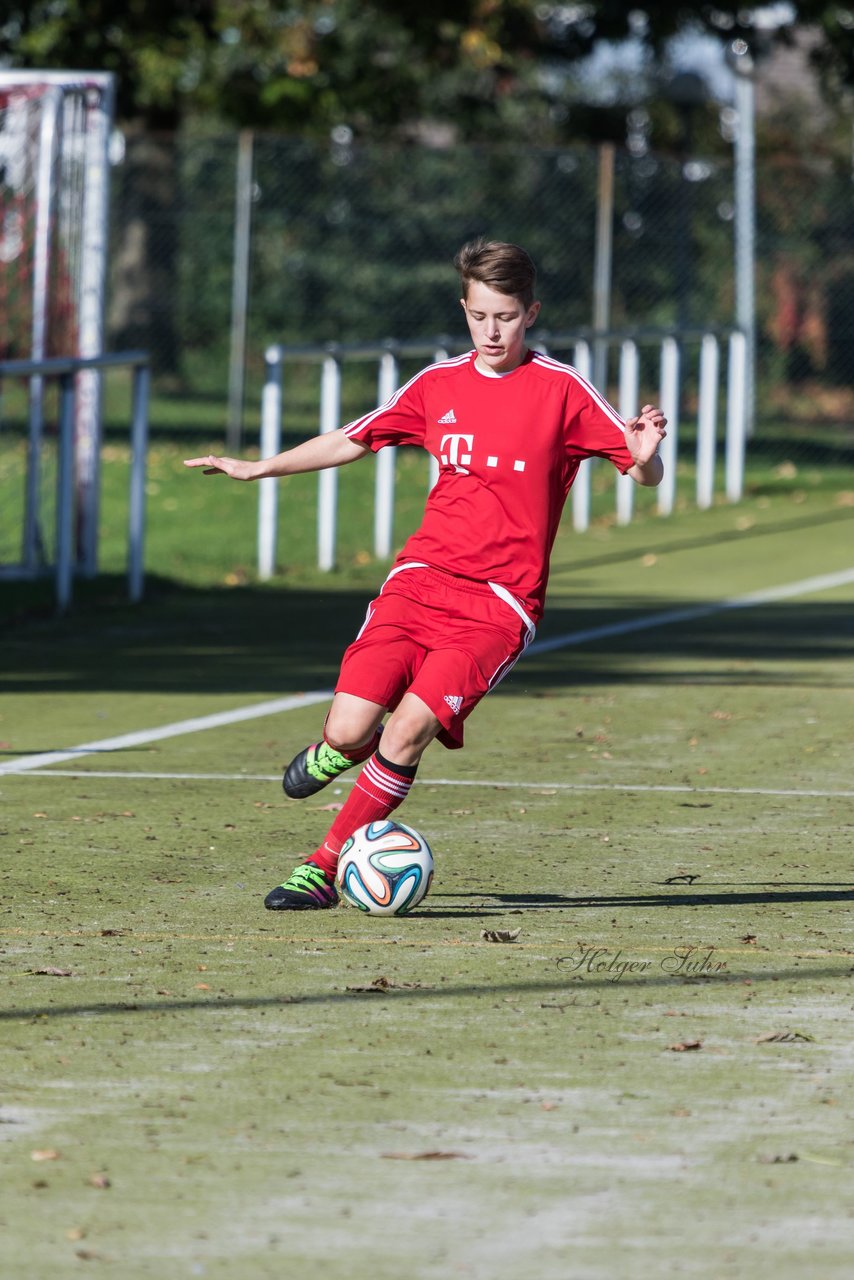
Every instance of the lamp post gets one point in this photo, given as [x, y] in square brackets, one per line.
[742, 63]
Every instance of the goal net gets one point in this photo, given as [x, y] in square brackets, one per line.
[54, 170]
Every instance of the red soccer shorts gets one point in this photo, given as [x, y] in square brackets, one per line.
[447, 639]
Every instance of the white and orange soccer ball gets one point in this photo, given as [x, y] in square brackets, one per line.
[385, 869]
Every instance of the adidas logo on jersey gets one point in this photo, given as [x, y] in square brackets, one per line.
[448, 417]
[455, 703]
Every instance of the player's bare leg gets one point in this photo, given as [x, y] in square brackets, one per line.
[350, 735]
[380, 788]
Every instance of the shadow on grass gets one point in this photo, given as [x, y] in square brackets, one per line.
[520, 902]
[566, 984]
[263, 639]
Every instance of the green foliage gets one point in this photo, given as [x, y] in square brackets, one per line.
[488, 68]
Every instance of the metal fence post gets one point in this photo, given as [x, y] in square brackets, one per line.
[136, 503]
[602, 263]
[51, 123]
[433, 474]
[582, 360]
[385, 465]
[271, 436]
[240, 288]
[745, 225]
[65, 371]
[669, 343]
[327, 481]
[707, 420]
[629, 390]
[88, 428]
[65, 494]
[669, 392]
[736, 415]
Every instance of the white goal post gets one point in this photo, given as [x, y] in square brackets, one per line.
[55, 129]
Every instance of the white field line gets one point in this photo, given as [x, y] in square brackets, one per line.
[180, 727]
[806, 586]
[492, 783]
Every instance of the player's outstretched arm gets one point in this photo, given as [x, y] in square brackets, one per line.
[643, 436]
[333, 449]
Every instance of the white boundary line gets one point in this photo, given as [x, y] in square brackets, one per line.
[138, 739]
[806, 586]
[495, 784]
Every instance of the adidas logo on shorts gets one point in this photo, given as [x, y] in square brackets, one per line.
[448, 417]
[455, 703]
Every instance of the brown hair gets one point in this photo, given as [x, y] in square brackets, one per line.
[506, 268]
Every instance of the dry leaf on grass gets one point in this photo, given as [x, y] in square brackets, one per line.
[380, 985]
[47, 1154]
[500, 935]
[685, 1045]
[782, 1037]
[425, 1155]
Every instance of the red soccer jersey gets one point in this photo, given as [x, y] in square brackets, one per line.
[508, 450]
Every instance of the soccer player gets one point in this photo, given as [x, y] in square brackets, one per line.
[509, 427]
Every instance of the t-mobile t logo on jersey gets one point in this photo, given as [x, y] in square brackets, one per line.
[451, 451]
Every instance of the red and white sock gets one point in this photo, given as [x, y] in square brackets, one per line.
[378, 790]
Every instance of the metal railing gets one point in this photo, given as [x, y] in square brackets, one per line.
[65, 371]
[585, 347]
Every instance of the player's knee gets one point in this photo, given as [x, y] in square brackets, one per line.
[347, 733]
[407, 735]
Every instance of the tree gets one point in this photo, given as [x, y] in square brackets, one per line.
[466, 70]
[484, 67]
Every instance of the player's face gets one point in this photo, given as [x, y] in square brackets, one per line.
[497, 323]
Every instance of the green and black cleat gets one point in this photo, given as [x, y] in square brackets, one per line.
[307, 888]
[313, 769]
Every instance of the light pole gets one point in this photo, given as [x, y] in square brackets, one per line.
[741, 61]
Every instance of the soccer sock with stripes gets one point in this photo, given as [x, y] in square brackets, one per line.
[378, 790]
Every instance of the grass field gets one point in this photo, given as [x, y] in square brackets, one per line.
[654, 1079]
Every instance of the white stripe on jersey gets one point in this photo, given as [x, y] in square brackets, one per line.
[509, 663]
[407, 564]
[514, 604]
[358, 425]
[548, 362]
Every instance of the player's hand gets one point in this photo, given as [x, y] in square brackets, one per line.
[213, 465]
[645, 433]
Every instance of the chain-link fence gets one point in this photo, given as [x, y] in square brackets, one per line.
[354, 242]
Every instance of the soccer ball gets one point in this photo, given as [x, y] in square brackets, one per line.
[385, 869]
